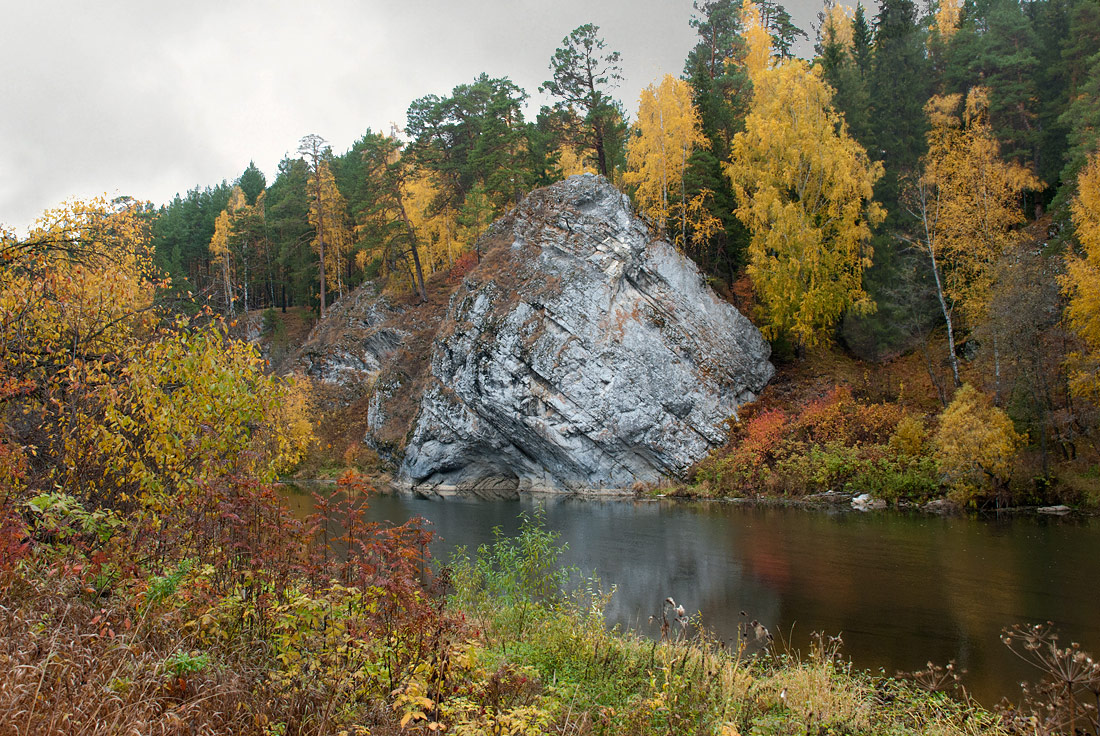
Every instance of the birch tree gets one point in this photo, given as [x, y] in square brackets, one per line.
[666, 133]
[966, 203]
[804, 189]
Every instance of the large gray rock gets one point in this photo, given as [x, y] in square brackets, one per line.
[590, 356]
[354, 341]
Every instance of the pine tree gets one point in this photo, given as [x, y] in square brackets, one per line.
[252, 183]
[287, 205]
[836, 54]
[476, 136]
[722, 94]
[1081, 118]
[899, 85]
[582, 75]
[862, 40]
[385, 222]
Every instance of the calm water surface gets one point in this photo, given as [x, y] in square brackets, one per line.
[901, 589]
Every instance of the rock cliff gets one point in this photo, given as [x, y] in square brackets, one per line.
[581, 354]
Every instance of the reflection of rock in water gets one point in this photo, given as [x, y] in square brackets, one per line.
[669, 548]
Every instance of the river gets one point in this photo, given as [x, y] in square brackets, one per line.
[902, 589]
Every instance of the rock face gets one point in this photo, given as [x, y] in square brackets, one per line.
[587, 355]
[359, 334]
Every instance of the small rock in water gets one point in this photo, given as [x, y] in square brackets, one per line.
[865, 502]
[940, 506]
[1060, 509]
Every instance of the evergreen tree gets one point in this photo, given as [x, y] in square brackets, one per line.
[722, 94]
[287, 204]
[1051, 23]
[385, 223]
[181, 235]
[784, 32]
[474, 137]
[1081, 118]
[582, 76]
[999, 47]
[898, 82]
[252, 183]
[804, 189]
[836, 55]
[899, 87]
[862, 40]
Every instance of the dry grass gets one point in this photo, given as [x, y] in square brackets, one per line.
[74, 665]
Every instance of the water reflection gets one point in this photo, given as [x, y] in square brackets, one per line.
[902, 589]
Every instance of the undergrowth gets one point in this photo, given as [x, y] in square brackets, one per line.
[834, 443]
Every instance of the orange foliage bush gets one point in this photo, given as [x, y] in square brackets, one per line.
[838, 417]
[462, 266]
[834, 443]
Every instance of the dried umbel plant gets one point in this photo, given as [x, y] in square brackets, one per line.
[679, 616]
[825, 649]
[1071, 678]
[936, 678]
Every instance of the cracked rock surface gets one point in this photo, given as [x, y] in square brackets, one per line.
[589, 355]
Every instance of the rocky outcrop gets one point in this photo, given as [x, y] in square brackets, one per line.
[581, 354]
[352, 344]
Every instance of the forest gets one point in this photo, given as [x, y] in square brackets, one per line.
[921, 188]
[916, 208]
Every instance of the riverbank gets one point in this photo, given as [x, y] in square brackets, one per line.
[278, 633]
[603, 681]
[903, 587]
[384, 483]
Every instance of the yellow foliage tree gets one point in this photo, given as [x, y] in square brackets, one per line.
[190, 408]
[804, 188]
[758, 42]
[436, 227]
[387, 224]
[665, 134]
[77, 286]
[332, 236]
[571, 163]
[1082, 283]
[947, 18]
[976, 443]
[118, 403]
[967, 202]
[219, 245]
[838, 24]
[698, 224]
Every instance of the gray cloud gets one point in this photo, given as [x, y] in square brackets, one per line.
[151, 99]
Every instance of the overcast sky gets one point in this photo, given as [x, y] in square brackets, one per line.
[149, 98]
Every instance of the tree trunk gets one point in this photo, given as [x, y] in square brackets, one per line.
[601, 157]
[321, 248]
[415, 251]
[228, 285]
[947, 319]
